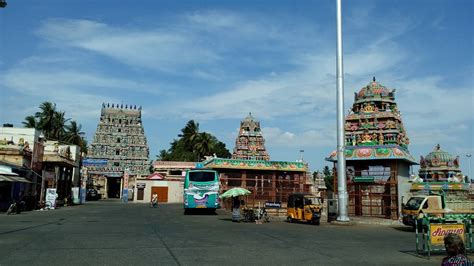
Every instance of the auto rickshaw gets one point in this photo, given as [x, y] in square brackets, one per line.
[304, 207]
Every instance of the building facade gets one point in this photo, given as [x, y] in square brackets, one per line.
[119, 145]
[376, 151]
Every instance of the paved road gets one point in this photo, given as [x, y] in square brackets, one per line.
[113, 233]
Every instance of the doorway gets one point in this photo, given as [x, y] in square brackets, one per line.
[113, 187]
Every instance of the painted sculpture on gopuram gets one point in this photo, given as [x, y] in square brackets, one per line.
[250, 144]
[376, 152]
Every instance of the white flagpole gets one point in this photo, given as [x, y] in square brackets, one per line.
[341, 161]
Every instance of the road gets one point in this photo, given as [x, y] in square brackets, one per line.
[114, 233]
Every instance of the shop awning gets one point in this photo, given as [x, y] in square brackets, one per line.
[12, 178]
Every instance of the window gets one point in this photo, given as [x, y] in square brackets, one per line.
[116, 163]
[119, 130]
[118, 140]
[117, 152]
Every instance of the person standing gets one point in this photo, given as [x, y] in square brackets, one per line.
[236, 209]
[154, 200]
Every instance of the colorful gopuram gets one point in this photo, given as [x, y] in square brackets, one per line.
[440, 171]
[119, 144]
[250, 167]
[250, 144]
[376, 151]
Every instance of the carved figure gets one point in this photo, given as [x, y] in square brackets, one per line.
[368, 108]
[381, 139]
[366, 138]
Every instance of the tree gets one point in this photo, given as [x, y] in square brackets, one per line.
[163, 155]
[46, 118]
[193, 145]
[328, 178]
[31, 122]
[73, 135]
[190, 133]
[204, 145]
[59, 123]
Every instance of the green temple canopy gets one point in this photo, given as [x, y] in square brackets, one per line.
[385, 152]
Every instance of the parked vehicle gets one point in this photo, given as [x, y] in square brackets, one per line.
[419, 205]
[92, 194]
[304, 207]
[201, 190]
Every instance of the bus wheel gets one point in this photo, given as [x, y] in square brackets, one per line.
[186, 211]
[289, 219]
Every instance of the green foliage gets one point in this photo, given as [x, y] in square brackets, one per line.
[193, 146]
[54, 125]
[328, 178]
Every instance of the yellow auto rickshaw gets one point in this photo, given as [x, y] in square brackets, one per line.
[304, 207]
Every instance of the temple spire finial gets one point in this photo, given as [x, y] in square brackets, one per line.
[373, 79]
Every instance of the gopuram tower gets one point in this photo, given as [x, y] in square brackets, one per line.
[376, 151]
[119, 144]
[250, 144]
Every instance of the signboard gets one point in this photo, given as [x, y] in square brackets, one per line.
[141, 185]
[94, 162]
[273, 204]
[359, 179]
[439, 231]
[51, 198]
[125, 186]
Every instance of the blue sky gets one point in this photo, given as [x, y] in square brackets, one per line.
[216, 61]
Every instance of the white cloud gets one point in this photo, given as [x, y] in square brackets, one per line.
[162, 49]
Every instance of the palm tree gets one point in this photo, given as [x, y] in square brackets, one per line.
[31, 122]
[46, 118]
[163, 155]
[73, 133]
[204, 145]
[189, 134]
[59, 123]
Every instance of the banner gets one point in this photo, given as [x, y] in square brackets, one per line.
[439, 231]
[51, 198]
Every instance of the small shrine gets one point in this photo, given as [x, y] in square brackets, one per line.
[250, 144]
[376, 151]
[440, 171]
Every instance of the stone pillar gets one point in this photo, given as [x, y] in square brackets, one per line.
[244, 179]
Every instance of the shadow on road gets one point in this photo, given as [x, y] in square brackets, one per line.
[404, 228]
[200, 212]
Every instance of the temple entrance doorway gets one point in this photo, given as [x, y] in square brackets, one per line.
[113, 187]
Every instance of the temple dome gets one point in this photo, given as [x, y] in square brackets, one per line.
[439, 157]
[374, 90]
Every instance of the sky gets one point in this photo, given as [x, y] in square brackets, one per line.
[216, 61]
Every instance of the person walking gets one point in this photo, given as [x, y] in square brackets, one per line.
[154, 200]
[455, 248]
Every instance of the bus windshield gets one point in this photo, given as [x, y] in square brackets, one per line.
[202, 176]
